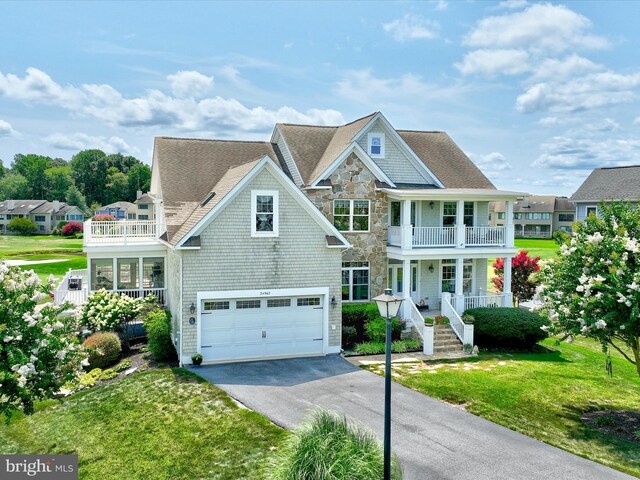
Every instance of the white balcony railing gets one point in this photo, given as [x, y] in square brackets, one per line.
[434, 236]
[462, 330]
[121, 232]
[484, 236]
[394, 236]
[490, 299]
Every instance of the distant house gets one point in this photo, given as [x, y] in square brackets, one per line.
[608, 184]
[46, 215]
[537, 216]
[119, 210]
[144, 207]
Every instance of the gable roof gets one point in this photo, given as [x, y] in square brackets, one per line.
[20, 206]
[563, 204]
[121, 205]
[445, 159]
[146, 198]
[189, 169]
[611, 183]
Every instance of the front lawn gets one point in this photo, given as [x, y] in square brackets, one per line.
[58, 269]
[159, 424]
[542, 395]
[17, 244]
[545, 248]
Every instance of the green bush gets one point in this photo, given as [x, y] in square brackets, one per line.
[501, 327]
[376, 329]
[104, 348]
[561, 237]
[22, 226]
[375, 348]
[108, 374]
[331, 447]
[158, 326]
[123, 365]
[357, 315]
[349, 336]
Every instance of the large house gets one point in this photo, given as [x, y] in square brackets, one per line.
[256, 245]
[46, 215]
[607, 184]
[536, 216]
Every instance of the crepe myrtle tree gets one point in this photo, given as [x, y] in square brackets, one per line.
[39, 350]
[523, 285]
[593, 288]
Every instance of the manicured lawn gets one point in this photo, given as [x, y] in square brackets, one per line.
[159, 424]
[538, 247]
[17, 244]
[542, 395]
[57, 269]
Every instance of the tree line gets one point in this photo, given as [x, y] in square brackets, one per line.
[89, 180]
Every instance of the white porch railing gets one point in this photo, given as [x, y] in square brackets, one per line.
[62, 293]
[434, 236]
[412, 316]
[490, 299]
[393, 236]
[525, 234]
[159, 293]
[120, 232]
[483, 236]
[462, 330]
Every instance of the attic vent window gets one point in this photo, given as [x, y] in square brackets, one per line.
[376, 145]
[207, 199]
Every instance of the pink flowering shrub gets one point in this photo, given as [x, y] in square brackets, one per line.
[71, 228]
[104, 217]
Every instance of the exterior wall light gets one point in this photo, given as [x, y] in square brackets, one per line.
[192, 308]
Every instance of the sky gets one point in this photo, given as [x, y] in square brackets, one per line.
[536, 94]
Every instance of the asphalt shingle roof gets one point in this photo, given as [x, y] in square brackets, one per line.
[613, 183]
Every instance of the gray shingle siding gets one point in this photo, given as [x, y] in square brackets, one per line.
[230, 259]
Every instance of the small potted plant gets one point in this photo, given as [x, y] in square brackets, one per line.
[442, 320]
[196, 359]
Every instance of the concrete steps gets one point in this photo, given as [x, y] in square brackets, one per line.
[445, 340]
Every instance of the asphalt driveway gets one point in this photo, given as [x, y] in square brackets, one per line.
[433, 440]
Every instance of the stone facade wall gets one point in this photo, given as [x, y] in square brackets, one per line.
[353, 181]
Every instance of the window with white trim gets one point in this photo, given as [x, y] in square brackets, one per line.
[264, 213]
[278, 302]
[308, 301]
[216, 305]
[351, 215]
[375, 142]
[355, 281]
[591, 210]
[469, 208]
[449, 210]
[241, 304]
[449, 276]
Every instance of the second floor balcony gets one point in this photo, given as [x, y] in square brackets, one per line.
[409, 237]
[122, 232]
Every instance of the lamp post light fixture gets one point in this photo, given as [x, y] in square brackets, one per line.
[388, 306]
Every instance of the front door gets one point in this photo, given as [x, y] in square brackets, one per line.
[395, 281]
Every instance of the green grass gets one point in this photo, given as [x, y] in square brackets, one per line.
[31, 244]
[160, 424]
[544, 248]
[57, 269]
[542, 395]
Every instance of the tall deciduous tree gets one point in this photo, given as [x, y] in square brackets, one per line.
[32, 167]
[138, 178]
[58, 182]
[523, 286]
[117, 186]
[14, 187]
[593, 288]
[74, 197]
[89, 172]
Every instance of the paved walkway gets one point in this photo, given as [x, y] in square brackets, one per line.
[433, 440]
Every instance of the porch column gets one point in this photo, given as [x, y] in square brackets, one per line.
[460, 233]
[458, 303]
[406, 286]
[507, 299]
[406, 233]
[509, 233]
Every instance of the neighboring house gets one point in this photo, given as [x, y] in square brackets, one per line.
[46, 215]
[145, 207]
[119, 210]
[256, 245]
[607, 184]
[536, 216]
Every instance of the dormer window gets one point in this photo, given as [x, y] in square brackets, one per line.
[376, 145]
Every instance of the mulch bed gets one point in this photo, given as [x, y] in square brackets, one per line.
[623, 424]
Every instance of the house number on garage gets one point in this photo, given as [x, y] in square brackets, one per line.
[265, 293]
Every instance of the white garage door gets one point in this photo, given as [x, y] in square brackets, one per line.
[234, 329]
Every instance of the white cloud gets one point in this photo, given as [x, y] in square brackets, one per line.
[411, 27]
[549, 121]
[592, 91]
[566, 152]
[82, 141]
[493, 162]
[182, 110]
[441, 5]
[6, 129]
[190, 84]
[491, 62]
[606, 125]
[558, 70]
[540, 27]
[636, 121]
[512, 4]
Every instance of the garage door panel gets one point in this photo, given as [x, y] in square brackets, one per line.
[237, 333]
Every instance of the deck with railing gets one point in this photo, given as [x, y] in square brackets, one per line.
[430, 237]
[123, 232]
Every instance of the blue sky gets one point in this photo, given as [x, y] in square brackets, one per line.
[537, 94]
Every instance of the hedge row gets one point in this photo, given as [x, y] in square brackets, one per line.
[506, 327]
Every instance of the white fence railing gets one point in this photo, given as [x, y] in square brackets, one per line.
[483, 236]
[526, 234]
[488, 300]
[434, 236]
[62, 293]
[159, 293]
[393, 236]
[462, 330]
[121, 232]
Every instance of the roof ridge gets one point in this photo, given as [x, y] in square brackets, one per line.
[215, 140]
[421, 131]
[327, 126]
[621, 166]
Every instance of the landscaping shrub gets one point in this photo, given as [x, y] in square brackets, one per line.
[561, 237]
[357, 315]
[108, 310]
[376, 329]
[158, 326]
[108, 374]
[103, 348]
[104, 217]
[331, 447]
[506, 327]
[123, 365]
[22, 226]
[349, 336]
[71, 229]
[375, 348]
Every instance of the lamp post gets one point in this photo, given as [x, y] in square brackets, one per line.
[388, 306]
